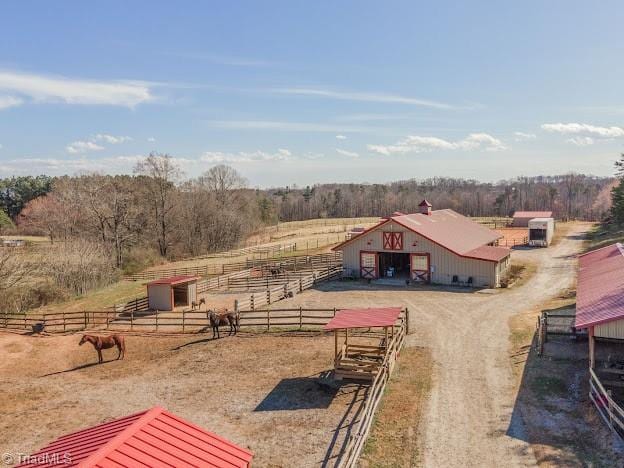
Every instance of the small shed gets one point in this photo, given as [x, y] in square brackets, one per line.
[150, 438]
[169, 293]
[522, 218]
[355, 360]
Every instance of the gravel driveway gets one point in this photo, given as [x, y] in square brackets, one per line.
[468, 420]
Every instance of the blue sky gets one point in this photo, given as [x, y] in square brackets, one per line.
[305, 92]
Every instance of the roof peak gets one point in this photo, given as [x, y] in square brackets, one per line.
[425, 202]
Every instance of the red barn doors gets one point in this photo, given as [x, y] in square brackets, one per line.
[392, 240]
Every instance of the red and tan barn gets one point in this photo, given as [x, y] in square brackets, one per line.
[440, 247]
[522, 218]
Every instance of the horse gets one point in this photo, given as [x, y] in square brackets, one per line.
[105, 342]
[276, 271]
[223, 317]
[197, 305]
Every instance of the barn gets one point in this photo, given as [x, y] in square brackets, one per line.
[522, 218]
[150, 438]
[440, 247]
[169, 293]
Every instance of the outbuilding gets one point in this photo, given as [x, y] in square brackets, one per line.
[522, 218]
[153, 437]
[440, 246]
[169, 293]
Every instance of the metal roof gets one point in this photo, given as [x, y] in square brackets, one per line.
[532, 214]
[152, 438]
[364, 318]
[174, 280]
[600, 287]
[488, 253]
[449, 229]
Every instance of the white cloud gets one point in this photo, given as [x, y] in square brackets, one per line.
[363, 96]
[349, 154]
[45, 89]
[581, 141]
[113, 140]
[245, 156]
[151, 139]
[56, 166]
[341, 137]
[79, 147]
[521, 136]
[584, 129]
[420, 144]
[9, 101]
[282, 126]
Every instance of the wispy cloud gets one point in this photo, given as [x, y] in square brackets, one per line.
[349, 154]
[9, 101]
[364, 96]
[58, 166]
[282, 126]
[113, 140]
[341, 137]
[421, 144]
[584, 129]
[47, 89]
[522, 136]
[581, 141]
[245, 156]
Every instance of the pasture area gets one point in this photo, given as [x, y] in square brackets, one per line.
[256, 390]
[513, 236]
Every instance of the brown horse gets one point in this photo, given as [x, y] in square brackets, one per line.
[223, 317]
[198, 304]
[105, 342]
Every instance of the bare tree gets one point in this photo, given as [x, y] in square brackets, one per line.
[224, 181]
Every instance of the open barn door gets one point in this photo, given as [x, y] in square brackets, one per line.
[368, 265]
[420, 269]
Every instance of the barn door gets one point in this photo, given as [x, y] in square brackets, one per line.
[368, 265]
[419, 266]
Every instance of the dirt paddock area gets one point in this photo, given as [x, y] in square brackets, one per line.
[259, 391]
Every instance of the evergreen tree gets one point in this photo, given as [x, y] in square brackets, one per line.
[617, 194]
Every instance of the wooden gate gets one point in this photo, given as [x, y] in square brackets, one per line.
[420, 268]
[368, 265]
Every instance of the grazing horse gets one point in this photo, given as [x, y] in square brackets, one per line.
[276, 271]
[105, 342]
[197, 305]
[223, 317]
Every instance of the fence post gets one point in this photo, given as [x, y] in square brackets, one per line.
[183, 320]
[268, 320]
[545, 327]
[156, 321]
[252, 302]
[107, 319]
[235, 305]
[610, 409]
[85, 319]
[268, 296]
[406, 321]
[300, 285]
[64, 324]
[300, 317]
[334, 314]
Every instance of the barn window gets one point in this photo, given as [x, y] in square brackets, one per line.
[368, 265]
[393, 240]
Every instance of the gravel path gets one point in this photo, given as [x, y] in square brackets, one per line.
[468, 420]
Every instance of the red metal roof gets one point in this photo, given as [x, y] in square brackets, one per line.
[446, 228]
[364, 318]
[489, 253]
[174, 280]
[532, 214]
[424, 203]
[600, 287]
[152, 438]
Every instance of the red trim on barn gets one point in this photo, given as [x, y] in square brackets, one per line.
[369, 272]
[417, 274]
[392, 240]
[175, 280]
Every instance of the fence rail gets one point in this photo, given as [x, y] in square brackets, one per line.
[609, 410]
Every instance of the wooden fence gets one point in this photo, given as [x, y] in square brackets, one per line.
[609, 410]
[293, 262]
[559, 323]
[357, 439]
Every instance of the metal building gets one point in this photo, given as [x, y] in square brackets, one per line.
[441, 247]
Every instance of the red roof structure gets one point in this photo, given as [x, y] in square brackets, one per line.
[449, 229]
[532, 214]
[174, 280]
[152, 438]
[600, 287]
[364, 318]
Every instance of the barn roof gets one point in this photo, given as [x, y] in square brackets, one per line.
[364, 318]
[600, 288]
[533, 214]
[449, 229]
[488, 252]
[153, 437]
[174, 280]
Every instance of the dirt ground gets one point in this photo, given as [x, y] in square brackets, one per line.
[258, 391]
[512, 236]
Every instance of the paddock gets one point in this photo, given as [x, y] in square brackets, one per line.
[274, 406]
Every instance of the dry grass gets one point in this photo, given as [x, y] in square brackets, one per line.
[394, 438]
[256, 390]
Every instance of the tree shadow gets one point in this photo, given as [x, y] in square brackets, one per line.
[298, 393]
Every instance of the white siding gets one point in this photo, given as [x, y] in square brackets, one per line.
[159, 296]
[444, 263]
[613, 329]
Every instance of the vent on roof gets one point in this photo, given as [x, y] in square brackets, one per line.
[425, 207]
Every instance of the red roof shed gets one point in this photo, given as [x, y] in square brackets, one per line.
[152, 438]
[364, 318]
